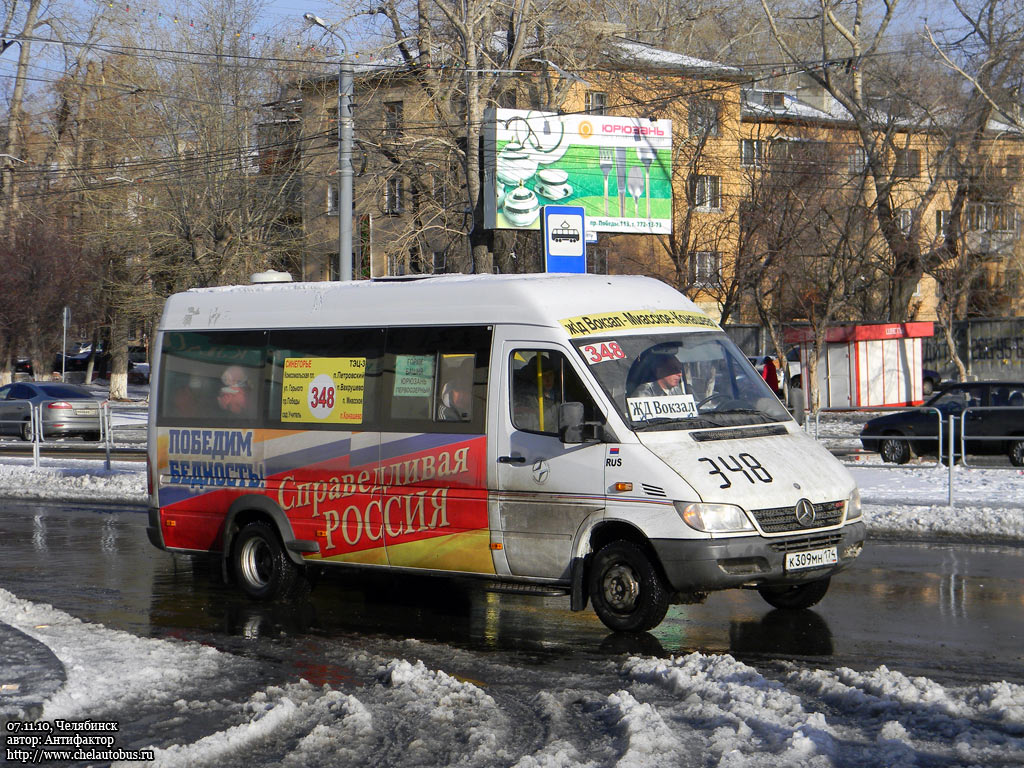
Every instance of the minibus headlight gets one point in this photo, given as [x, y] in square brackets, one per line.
[713, 518]
[853, 505]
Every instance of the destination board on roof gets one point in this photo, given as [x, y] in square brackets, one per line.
[587, 325]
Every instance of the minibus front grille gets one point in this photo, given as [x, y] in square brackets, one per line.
[783, 519]
[739, 433]
[805, 543]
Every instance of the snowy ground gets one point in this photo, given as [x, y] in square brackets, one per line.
[411, 707]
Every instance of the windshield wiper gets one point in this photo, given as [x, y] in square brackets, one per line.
[763, 418]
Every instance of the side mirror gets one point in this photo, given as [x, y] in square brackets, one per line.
[573, 429]
[570, 422]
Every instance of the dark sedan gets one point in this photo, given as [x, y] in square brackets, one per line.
[67, 410]
[996, 411]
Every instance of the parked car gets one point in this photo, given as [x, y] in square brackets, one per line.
[67, 410]
[930, 381]
[899, 436]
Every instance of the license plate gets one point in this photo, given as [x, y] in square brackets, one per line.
[815, 558]
[86, 412]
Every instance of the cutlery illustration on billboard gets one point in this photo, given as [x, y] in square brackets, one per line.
[620, 176]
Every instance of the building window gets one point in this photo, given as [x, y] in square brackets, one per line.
[392, 119]
[948, 166]
[905, 218]
[706, 192]
[704, 117]
[774, 99]
[595, 102]
[858, 161]
[908, 163]
[439, 262]
[1014, 166]
[974, 216]
[393, 195]
[751, 152]
[1001, 217]
[705, 267]
[332, 200]
[941, 223]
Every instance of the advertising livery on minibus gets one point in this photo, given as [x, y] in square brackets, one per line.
[594, 436]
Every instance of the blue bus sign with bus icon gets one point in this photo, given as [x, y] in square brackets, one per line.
[565, 247]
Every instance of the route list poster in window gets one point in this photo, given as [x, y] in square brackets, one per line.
[323, 390]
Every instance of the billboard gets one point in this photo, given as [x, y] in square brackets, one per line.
[619, 169]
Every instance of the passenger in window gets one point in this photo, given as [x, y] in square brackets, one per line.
[188, 397]
[456, 402]
[668, 378]
[234, 395]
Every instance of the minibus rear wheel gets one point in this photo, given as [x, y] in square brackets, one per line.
[261, 566]
[797, 596]
[627, 589]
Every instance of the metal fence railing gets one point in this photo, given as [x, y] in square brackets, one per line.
[960, 435]
[26, 421]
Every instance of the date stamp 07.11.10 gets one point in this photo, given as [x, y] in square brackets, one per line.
[48, 741]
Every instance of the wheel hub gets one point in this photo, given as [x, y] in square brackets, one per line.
[621, 587]
[255, 564]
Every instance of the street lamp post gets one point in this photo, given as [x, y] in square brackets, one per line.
[344, 152]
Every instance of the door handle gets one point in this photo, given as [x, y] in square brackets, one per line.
[511, 459]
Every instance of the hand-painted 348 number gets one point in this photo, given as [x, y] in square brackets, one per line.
[744, 464]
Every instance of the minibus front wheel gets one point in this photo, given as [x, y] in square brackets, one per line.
[261, 566]
[628, 591]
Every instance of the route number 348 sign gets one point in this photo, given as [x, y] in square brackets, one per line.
[323, 389]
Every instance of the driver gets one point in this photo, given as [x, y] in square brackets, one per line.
[668, 378]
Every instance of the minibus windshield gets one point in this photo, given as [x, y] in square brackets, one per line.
[673, 381]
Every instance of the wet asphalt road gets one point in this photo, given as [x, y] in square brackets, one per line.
[951, 612]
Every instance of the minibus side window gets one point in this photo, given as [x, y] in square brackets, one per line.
[541, 381]
[212, 378]
[435, 379]
[325, 378]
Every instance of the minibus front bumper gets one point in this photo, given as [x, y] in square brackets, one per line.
[705, 565]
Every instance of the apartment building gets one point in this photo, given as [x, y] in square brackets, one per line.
[802, 143]
[755, 171]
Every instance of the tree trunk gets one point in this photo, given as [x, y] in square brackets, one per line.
[118, 357]
[12, 140]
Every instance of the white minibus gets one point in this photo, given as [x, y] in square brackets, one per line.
[594, 436]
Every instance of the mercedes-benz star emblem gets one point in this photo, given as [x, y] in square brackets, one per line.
[541, 471]
[804, 512]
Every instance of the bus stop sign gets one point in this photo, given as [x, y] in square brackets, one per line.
[565, 247]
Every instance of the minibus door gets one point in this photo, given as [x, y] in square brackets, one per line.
[546, 488]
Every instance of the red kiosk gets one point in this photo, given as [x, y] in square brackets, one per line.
[867, 365]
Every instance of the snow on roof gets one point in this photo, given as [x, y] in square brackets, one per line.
[752, 105]
[644, 55]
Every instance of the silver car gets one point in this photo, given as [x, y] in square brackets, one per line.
[67, 410]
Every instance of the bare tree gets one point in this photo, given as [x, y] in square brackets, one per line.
[987, 50]
[843, 61]
[806, 241]
[461, 58]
